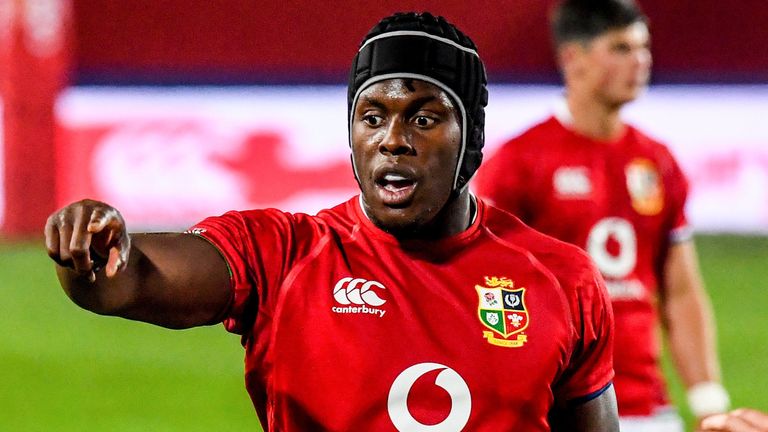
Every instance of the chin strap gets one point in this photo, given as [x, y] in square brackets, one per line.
[472, 209]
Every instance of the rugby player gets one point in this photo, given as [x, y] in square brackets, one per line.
[413, 306]
[586, 177]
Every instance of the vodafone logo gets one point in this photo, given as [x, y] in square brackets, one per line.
[449, 380]
[358, 296]
[611, 264]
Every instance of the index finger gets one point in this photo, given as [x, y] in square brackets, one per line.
[79, 245]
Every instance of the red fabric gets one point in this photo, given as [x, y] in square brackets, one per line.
[34, 61]
[310, 366]
[577, 189]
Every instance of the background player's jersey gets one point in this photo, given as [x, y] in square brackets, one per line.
[346, 328]
[623, 202]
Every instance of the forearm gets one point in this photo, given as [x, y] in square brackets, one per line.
[102, 296]
[691, 338]
[172, 280]
[689, 319]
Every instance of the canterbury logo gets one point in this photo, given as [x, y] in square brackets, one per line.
[357, 291]
[358, 297]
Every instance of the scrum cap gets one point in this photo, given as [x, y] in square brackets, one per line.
[428, 48]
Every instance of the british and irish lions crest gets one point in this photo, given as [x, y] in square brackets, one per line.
[502, 310]
[645, 186]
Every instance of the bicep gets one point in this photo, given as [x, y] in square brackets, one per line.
[599, 414]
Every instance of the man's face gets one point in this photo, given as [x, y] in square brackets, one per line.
[406, 137]
[615, 66]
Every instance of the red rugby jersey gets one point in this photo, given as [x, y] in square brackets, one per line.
[623, 202]
[347, 328]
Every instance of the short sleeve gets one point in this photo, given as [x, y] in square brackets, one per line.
[258, 247]
[590, 370]
[501, 180]
[676, 184]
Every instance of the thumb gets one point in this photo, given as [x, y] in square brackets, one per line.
[118, 255]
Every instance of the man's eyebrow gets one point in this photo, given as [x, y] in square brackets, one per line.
[372, 101]
[419, 102]
[415, 104]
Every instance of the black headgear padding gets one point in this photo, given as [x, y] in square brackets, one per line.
[421, 46]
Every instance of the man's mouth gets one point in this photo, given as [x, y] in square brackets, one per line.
[395, 189]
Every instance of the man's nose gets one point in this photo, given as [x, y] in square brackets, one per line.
[396, 140]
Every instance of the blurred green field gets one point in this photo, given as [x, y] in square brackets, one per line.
[735, 271]
[65, 369]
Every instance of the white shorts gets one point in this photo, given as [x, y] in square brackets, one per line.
[666, 420]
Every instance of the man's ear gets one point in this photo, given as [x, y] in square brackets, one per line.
[569, 58]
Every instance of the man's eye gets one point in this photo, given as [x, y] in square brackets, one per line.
[622, 49]
[423, 121]
[372, 120]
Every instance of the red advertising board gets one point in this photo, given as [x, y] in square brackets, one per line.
[168, 158]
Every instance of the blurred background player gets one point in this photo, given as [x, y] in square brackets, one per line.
[586, 177]
[342, 313]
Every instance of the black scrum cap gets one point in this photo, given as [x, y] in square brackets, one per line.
[428, 48]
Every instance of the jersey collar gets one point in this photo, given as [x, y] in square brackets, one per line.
[448, 243]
